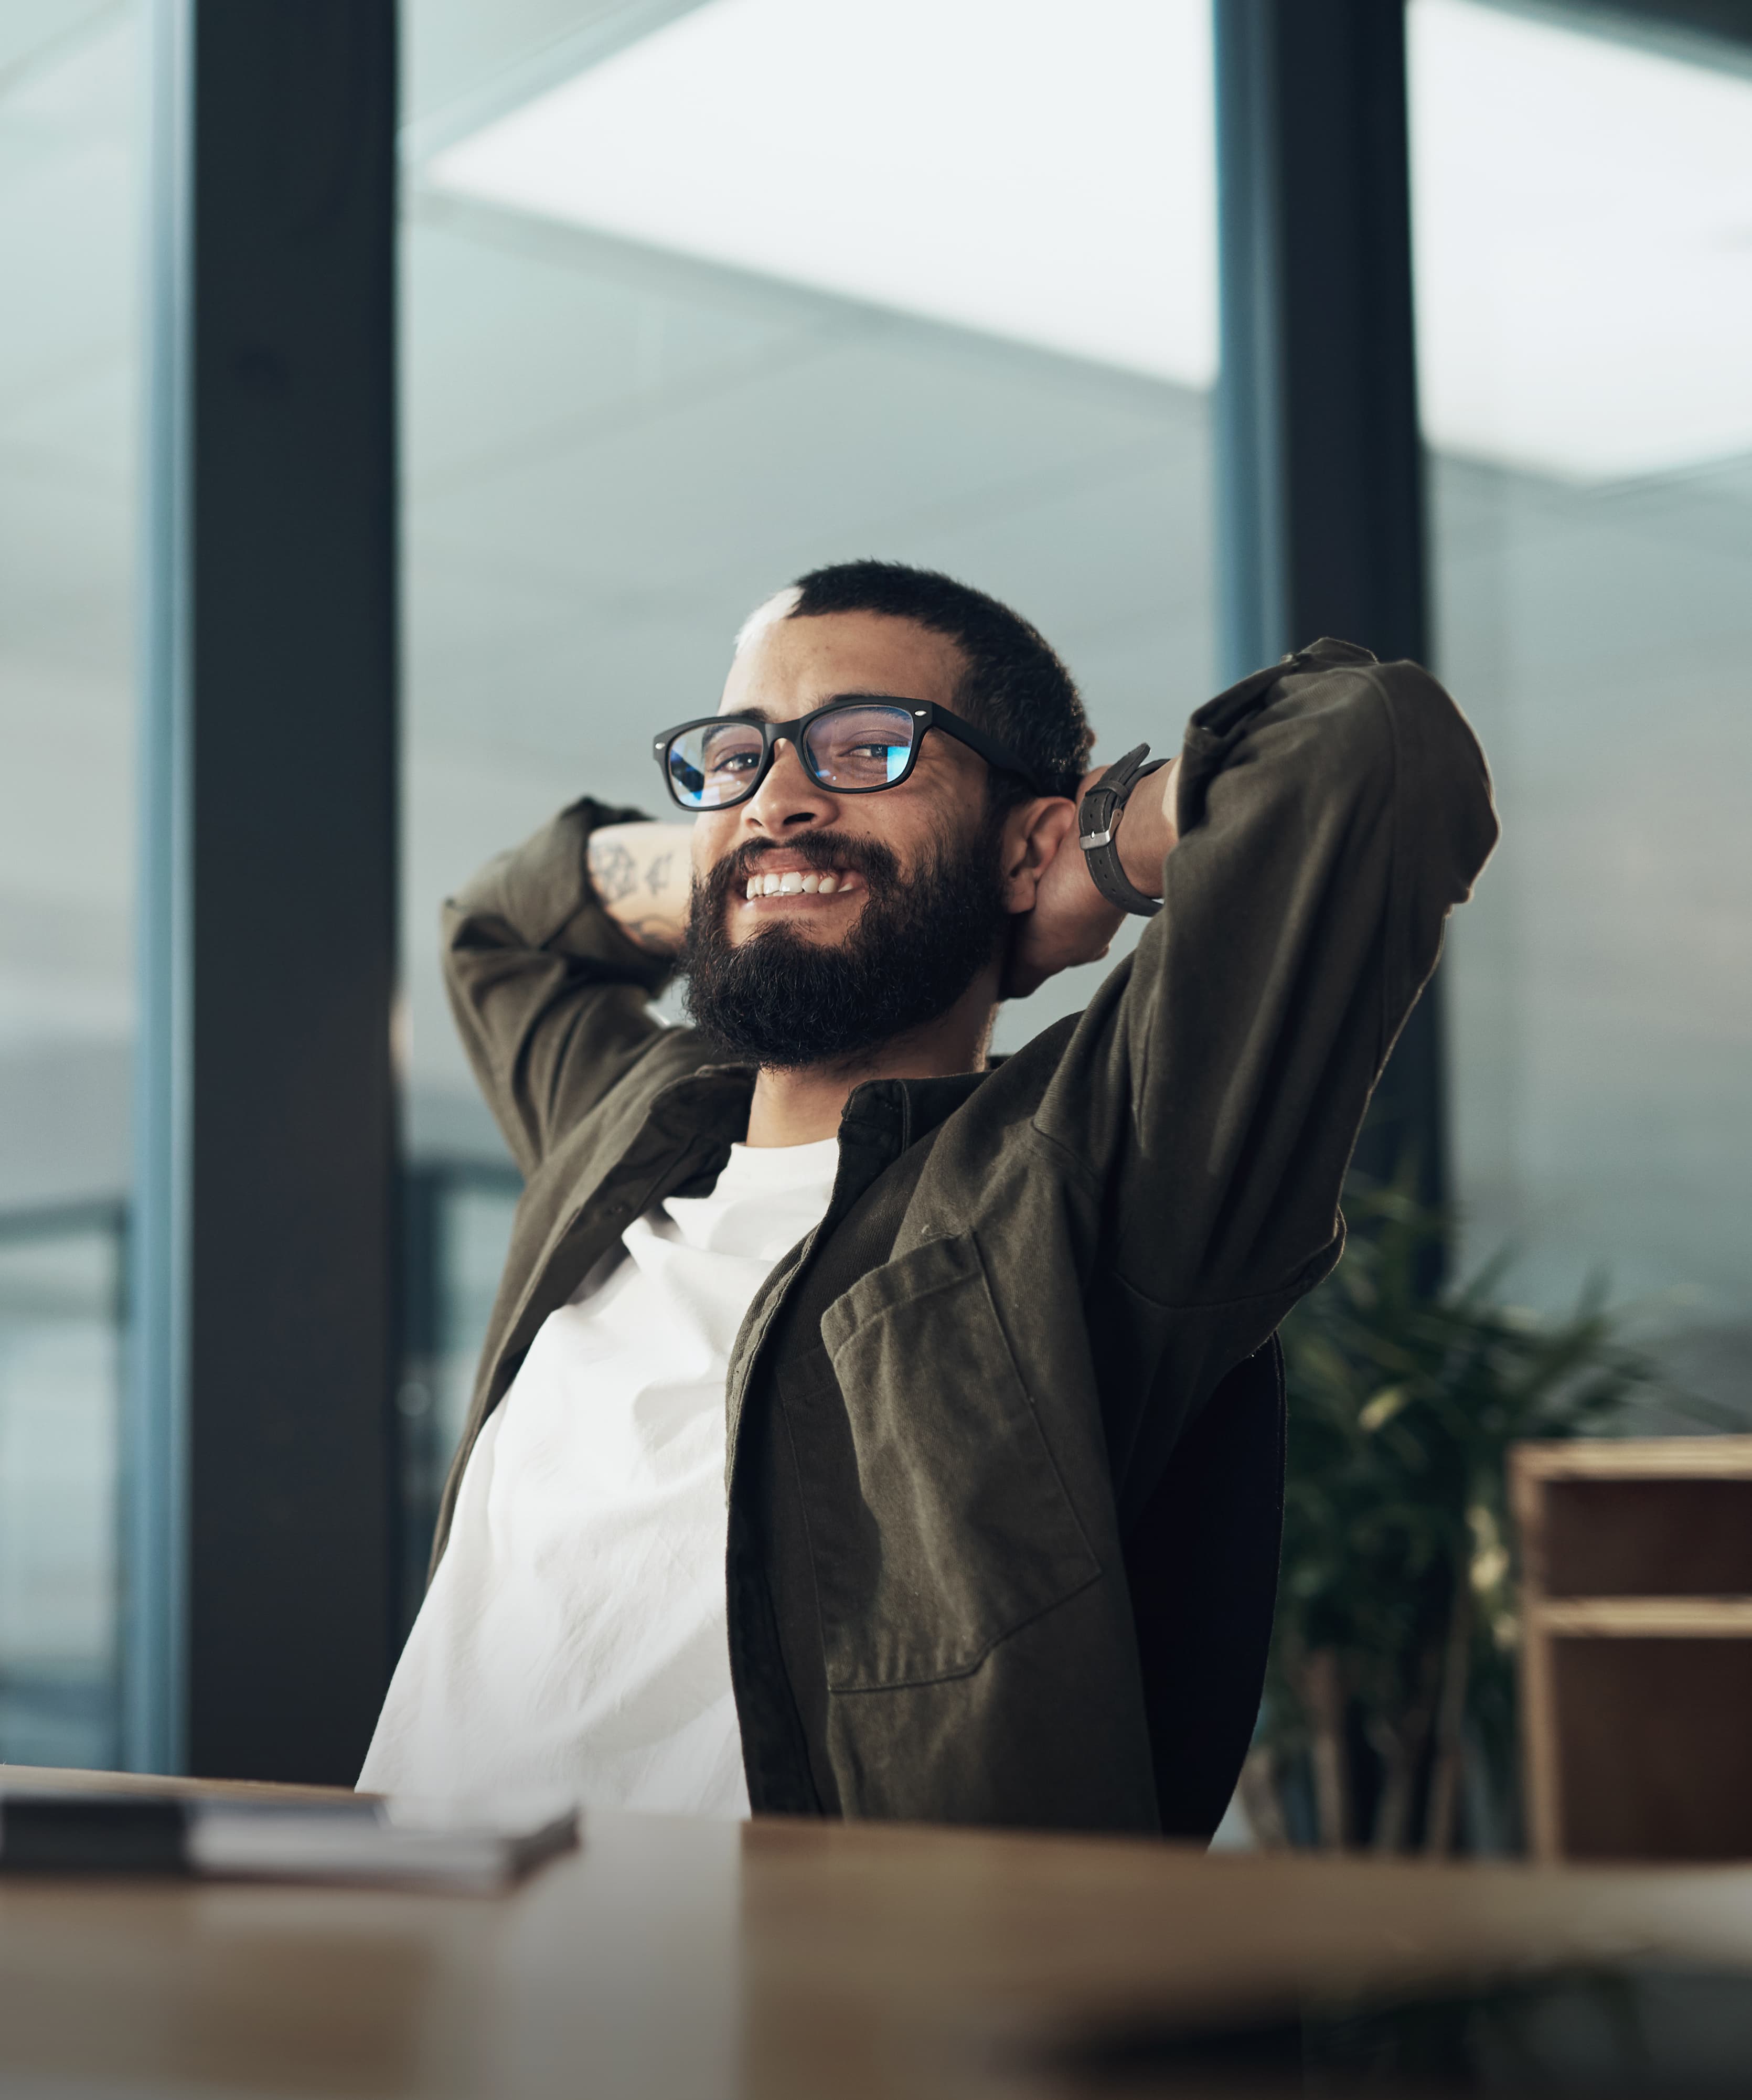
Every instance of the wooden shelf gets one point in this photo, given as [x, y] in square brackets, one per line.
[1645, 1618]
[1636, 1655]
[1639, 1458]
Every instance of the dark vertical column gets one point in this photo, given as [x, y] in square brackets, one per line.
[261, 1548]
[1322, 527]
[425, 1203]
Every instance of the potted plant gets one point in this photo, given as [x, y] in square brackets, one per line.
[1392, 1661]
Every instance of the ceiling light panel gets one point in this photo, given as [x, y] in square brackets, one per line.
[1583, 217]
[1044, 171]
[1027, 168]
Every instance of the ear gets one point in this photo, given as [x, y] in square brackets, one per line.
[1033, 833]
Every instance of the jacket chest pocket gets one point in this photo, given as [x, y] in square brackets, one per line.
[938, 1521]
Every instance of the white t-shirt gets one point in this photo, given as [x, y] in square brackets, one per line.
[576, 1633]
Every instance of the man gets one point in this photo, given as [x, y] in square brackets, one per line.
[865, 1428]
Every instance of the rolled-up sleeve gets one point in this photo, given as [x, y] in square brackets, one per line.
[551, 998]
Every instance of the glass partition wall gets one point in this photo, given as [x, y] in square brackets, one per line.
[697, 298]
[1583, 222]
[70, 217]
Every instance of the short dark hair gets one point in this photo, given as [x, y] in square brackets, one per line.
[1014, 687]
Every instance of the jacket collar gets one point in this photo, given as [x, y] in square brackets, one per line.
[706, 1111]
[902, 1111]
[715, 1099]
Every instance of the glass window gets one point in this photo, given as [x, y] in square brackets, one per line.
[70, 208]
[456, 1216]
[1583, 212]
[697, 299]
[60, 1286]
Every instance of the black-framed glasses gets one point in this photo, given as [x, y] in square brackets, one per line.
[858, 744]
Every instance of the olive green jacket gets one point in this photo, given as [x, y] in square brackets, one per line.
[949, 1403]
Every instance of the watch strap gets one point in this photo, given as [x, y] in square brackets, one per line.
[1098, 815]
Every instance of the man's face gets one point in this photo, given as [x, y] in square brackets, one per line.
[906, 899]
[790, 667]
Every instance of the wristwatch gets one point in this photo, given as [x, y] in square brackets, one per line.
[1098, 824]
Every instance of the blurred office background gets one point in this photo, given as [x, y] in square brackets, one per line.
[695, 297]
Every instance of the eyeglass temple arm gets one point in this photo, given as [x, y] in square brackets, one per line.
[998, 755]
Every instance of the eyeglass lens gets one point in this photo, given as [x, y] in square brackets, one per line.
[854, 749]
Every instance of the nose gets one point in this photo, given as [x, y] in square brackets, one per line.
[789, 799]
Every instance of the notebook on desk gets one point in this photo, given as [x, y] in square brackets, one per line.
[366, 1838]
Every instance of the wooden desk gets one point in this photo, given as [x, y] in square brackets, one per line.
[679, 1961]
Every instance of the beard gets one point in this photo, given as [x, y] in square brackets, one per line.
[785, 1001]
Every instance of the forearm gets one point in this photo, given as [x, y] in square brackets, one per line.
[549, 989]
[642, 874]
[1148, 833]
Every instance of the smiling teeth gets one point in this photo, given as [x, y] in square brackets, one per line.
[793, 884]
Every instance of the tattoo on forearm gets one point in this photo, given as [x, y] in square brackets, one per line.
[657, 875]
[613, 870]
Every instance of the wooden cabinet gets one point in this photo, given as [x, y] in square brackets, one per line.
[1636, 1650]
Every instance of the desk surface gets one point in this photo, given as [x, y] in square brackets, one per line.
[782, 1961]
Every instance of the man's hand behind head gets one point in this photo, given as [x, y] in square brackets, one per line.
[1071, 921]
